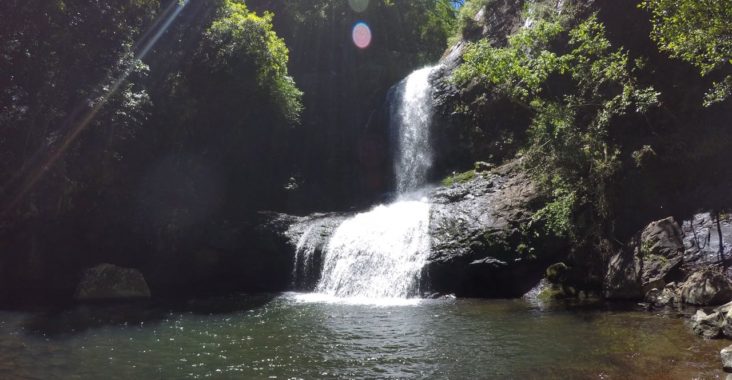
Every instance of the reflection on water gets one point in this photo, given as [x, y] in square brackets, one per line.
[295, 336]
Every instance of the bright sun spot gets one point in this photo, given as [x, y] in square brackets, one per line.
[361, 35]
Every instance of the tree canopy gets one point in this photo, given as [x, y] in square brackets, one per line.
[699, 32]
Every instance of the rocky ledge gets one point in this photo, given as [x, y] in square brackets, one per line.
[482, 241]
[482, 237]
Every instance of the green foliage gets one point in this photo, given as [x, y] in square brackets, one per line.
[699, 32]
[517, 70]
[59, 60]
[719, 92]
[558, 213]
[466, 16]
[239, 40]
[459, 178]
[570, 152]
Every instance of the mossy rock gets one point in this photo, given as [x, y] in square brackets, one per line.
[557, 273]
[458, 178]
[557, 292]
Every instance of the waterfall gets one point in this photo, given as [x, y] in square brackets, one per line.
[411, 117]
[380, 253]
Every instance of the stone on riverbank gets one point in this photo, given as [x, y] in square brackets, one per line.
[706, 325]
[107, 282]
[726, 354]
[706, 288]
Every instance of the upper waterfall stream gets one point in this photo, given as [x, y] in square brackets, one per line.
[380, 253]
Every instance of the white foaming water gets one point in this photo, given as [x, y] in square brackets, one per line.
[412, 117]
[366, 301]
[376, 257]
[304, 251]
[378, 253]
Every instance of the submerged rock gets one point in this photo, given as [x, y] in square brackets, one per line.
[107, 281]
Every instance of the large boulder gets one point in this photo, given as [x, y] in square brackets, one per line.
[650, 261]
[480, 242]
[662, 251]
[706, 287]
[109, 282]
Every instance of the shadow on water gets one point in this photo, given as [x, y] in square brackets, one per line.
[80, 318]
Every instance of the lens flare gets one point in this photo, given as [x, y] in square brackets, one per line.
[361, 35]
[358, 5]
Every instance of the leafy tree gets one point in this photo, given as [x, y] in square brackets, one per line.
[239, 40]
[59, 60]
[699, 32]
[571, 151]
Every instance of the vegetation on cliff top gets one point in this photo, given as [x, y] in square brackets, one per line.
[699, 32]
[573, 94]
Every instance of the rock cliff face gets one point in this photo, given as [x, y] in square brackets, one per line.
[482, 241]
[669, 264]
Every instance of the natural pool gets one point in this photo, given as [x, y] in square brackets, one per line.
[293, 336]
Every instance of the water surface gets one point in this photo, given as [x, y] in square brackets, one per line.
[310, 337]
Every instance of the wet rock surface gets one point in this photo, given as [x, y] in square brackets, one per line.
[299, 241]
[702, 241]
[480, 244]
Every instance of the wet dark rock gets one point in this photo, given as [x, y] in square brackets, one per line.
[702, 241]
[707, 287]
[480, 246]
[109, 282]
[291, 238]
